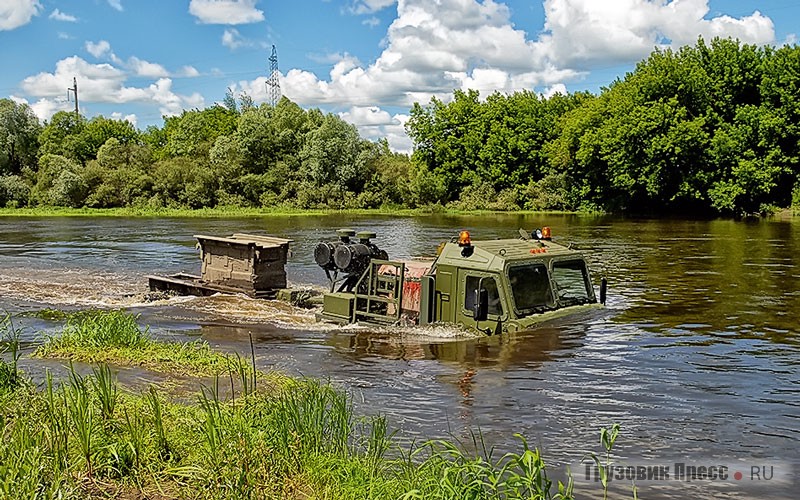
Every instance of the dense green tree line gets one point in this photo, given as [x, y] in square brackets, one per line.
[238, 154]
[712, 128]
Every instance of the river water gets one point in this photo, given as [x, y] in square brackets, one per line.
[696, 356]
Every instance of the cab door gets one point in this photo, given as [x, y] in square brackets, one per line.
[468, 283]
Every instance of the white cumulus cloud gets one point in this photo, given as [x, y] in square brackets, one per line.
[375, 123]
[99, 49]
[115, 4]
[129, 118]
[232, 39]
[57, 15]
[44, 108]
[229, 12]
[586, 33]
[371, 22]
[146, 68]
[370, 6]
[432, 48]
[188, 72]
[16, 13]
[102, 83]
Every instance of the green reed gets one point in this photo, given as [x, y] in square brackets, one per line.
[82, 417]
[105, 386]
[102, 329]
[156, 410]
[9, 343]
[301, 441]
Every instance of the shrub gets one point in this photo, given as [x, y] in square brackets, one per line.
[484, 197]
[14, 191]
[548, 193]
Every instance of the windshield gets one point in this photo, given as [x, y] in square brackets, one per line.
[572, 282]
[530, 287]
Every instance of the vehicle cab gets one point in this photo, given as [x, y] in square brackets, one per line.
[498, 286]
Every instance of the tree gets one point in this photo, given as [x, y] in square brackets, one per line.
[60, 134]
[59, 182]
[335, 154]
[183, 182]
[119, 176]
[97, 131]
[448, 138]
[392, 172]
[14, 191]
[270, 135]
[193, 133]
[19, 132]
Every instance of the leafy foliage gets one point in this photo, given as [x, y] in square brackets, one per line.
[19, 137]
[691, 130]
[712, 128]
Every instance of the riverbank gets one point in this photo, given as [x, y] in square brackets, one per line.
[88, 436]
[239, 212]
[223, 212]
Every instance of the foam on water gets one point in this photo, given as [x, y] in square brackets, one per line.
[437, 331]
[246, 310]
[71, 288]
[81, 288]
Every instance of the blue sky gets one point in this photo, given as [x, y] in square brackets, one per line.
[367, 60]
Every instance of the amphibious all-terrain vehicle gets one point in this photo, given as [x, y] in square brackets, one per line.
[491, 286]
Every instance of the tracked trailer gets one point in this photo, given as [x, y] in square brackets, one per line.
[491, 286]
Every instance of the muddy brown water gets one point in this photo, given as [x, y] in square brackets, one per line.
[697, 355]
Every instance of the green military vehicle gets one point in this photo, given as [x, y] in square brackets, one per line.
[492, 286]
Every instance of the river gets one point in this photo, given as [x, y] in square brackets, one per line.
[696, 355]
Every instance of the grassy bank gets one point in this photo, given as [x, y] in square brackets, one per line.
[235, 212]
[114, 337]
[89, 437]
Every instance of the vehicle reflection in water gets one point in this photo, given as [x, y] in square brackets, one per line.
[496, 352]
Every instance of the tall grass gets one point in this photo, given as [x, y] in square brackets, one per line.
[301, 441]
[9, 343]
[102, 329]
[115, 337]
[82, 415]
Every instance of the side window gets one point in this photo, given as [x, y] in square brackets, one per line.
[495, 307]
